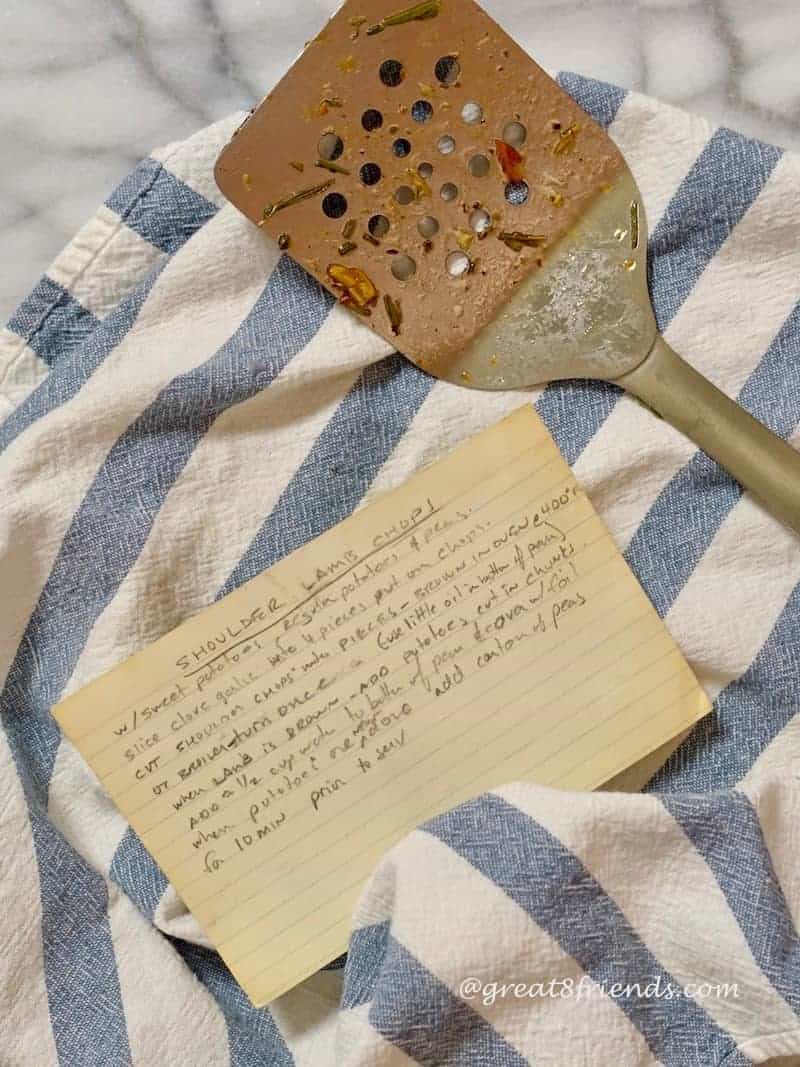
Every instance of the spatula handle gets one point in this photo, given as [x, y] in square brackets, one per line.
[758, 459]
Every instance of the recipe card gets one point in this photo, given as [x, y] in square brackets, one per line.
[473, 627]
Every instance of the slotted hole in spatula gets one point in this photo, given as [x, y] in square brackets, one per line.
[447, 70]
[330, 147]
[517, 193]
[370, 174]
[515, 134]
[403, 267]
[372, 119]
[480, 221]
[472, 113]
[391, 73]
[479, 166]
[421, 111]
[334, 205]
[428, 227]
[378, 225]
[458, 264]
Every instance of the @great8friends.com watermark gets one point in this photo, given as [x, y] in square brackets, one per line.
[585, 988]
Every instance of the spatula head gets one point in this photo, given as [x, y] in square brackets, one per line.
[425, 170]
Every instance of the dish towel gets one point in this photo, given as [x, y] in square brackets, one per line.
[181, 407]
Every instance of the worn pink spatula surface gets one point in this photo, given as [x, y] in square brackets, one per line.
[426, 171]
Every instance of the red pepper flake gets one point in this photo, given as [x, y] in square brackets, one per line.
[511, 162]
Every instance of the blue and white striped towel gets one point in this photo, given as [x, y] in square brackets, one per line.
[181, 407]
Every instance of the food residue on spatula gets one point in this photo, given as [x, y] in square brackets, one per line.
[329, 164]
[325, 104]
[566, 139]
[517, 241]
[394, 312]
[294, 198]
[426, 10]
[418, 185]
[357, 21]
[356, 288]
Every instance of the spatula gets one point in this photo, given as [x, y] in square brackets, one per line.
[427, 172]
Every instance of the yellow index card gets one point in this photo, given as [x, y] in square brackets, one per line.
[473, 627]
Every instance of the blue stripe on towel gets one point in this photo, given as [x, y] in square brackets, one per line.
[365, 955]
[723, 184]
[80, 966]
[164, 211]
[79, 963]
[713, 198]
[550, 883]
[110, 527]
[52, 321]
[598, 99]
[341, 466]
[417, 1013]
[748, 714]
[86, 1009]
[691, 508]
[137, 874]
[573, 412]
[160, 207]
[71, 372]
[87, 1016]
[253, 1036]
[725, 830]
